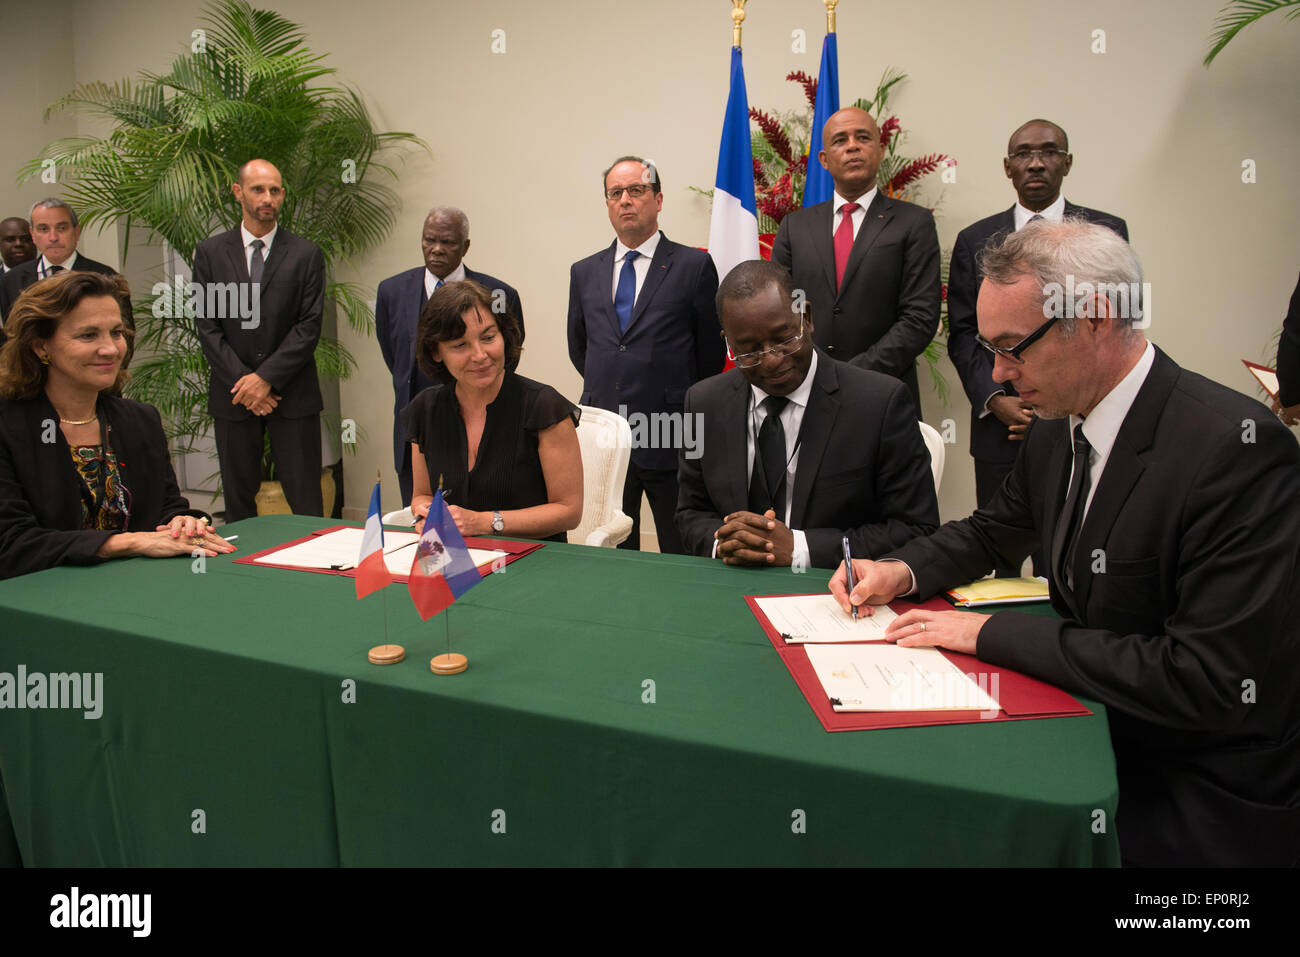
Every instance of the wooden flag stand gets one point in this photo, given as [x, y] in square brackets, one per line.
[449, 663]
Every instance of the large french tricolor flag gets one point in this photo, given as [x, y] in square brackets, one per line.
[818, 186]
[442, 570]
[733, 231]
[372, 573]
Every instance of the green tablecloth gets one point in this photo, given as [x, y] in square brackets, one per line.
[225, 737]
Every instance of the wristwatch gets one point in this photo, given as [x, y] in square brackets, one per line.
[498, 523]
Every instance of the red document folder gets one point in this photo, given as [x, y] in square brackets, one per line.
[514, 551]
[1021, 696]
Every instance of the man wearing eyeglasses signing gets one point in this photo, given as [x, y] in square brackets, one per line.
[642, 330]
[1038, 160]
[799, 450]
[1162, 500]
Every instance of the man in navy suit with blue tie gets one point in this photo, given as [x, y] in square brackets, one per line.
[444, 242]
[643, 330]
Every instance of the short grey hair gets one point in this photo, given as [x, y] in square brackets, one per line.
[53, 202]
[1065, 255]
[451, 212]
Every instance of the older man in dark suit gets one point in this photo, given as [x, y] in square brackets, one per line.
[1038, 159]
[798, 450]
[261, 296]
[55, 232]
[1164, 502]
[444, 241]
[868, 264]
[642, 330]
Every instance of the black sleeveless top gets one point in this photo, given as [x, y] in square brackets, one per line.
[507, 473]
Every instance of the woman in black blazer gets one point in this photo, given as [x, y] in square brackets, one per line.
[85, 474]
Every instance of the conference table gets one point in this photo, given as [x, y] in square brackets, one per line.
[620, 708]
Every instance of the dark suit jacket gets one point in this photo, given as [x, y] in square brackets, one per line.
[672, 341]
[887, 310]
[24, 274]
[863, 468]
[40, 498]
[988, 436]
[1190, 635]
[1288, 353]
[281, 346]
[397, 316]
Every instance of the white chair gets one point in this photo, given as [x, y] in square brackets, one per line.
[933, 442]
[403, 517]
[606, 441]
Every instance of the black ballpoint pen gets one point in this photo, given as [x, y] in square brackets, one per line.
[848, 573]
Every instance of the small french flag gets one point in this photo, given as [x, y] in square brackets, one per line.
[372, 573]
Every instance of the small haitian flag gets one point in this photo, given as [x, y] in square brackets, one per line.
[442, 570]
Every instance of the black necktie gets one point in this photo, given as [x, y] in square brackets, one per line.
[767, 480]
[53, 271]
[1066, 540]
[257, 264]
[1036, 217]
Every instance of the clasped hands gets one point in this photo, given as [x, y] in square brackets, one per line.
[467, 522]
[879, 583]
[254, 393]
[1013, 412]
[749, 539]
[182, 535]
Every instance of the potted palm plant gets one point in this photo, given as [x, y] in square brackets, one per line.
[247, 87]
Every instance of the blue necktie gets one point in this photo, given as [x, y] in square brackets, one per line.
[625, 295]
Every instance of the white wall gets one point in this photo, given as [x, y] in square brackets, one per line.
[519, 139]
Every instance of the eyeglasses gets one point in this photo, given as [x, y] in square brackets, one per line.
[786, 348]
[1048, 155]
[636, 191]
[1013, 352]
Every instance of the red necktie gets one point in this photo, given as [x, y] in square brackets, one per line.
[844, 241]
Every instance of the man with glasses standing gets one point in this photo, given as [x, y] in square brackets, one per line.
[642, 330]
[1038, 159]
[799, 450]
[1163, 501]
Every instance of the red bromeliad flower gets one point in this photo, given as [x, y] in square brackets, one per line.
[809, 85]
[914, 171]
[760, 178]
[888, 129]
[773, 133]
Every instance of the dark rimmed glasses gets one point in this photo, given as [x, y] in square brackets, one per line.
[1013, 352]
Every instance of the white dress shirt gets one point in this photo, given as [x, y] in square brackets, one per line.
[431, 281]
[791, 421]
[1053, 214]
[641, 265]
[858, 216]
[43, 265]
[248, 245]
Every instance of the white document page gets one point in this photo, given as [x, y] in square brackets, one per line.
[890, 678]
[341, 548]
[818, 619]
[399, 562]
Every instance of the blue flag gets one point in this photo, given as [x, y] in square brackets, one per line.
[733, 230]
[819, 186]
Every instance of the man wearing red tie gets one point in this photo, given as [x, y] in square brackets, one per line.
[868, 264]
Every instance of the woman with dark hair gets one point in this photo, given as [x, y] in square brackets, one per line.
[85, 474]
[503, 449]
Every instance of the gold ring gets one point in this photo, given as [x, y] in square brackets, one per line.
[922, 626]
